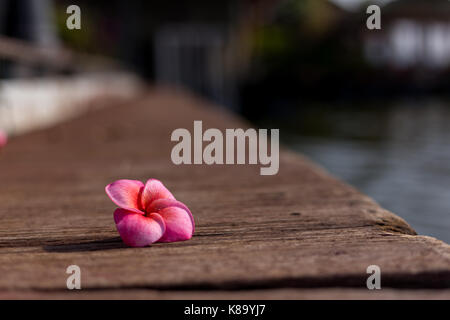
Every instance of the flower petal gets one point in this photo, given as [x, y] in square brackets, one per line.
[160, 204]
[137, 230]
[126, 194]
[153, 190]
[3, 139]
[178, 225]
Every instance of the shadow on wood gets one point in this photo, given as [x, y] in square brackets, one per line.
[106, 244]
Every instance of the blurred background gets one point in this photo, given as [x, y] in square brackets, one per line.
[371, 106]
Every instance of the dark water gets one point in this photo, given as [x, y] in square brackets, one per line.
[399, 154]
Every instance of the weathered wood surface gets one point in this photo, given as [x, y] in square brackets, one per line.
[256, 236]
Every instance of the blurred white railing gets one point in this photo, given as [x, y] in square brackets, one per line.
[31, 104]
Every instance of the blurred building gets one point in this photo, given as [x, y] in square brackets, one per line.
[193, 44]
[258, 55]
[414, 34]
[41, 83]
[28, 20]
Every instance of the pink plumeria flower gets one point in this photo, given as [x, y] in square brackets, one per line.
[149, 213]
[3, 139]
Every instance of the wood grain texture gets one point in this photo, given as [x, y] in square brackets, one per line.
[299, 229]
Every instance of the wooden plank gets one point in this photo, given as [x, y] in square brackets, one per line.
[263, 294]
[298, 229]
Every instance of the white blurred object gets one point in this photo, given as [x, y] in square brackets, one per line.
[31, 104]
